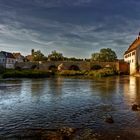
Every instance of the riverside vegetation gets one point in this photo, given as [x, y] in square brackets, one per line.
[43, 74]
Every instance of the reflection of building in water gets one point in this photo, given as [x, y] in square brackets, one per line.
[132, 90]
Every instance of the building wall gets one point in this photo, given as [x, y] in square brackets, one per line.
[2, 59]
[123, 67]
[138, 55]
[131, 58]
[20, 59]
[10, 63]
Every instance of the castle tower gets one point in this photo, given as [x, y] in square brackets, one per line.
[32, 52]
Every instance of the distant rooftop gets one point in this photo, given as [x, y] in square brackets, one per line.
[134, 45]
[8, 54]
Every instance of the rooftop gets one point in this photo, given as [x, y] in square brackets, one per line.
[134, 45]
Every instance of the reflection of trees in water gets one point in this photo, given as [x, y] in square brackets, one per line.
[55, 86]
[106, 87]
[38, 87]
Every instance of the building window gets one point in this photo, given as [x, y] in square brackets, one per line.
[133, 53]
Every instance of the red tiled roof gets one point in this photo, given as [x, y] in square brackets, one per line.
[16, 55]
[133, 46]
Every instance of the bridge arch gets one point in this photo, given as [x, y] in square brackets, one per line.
[96, 67]
[52, 67]
[74, 67]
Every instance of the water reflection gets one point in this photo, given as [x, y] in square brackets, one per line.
[132, 90]
[106, 87]
[38, 87]
[55, 86]
[53, 102]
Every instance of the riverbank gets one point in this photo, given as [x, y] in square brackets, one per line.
[26, 74]
[43, 74]
[67, 133]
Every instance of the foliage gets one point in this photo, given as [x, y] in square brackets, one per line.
[71, 73]
[2, 69]
[102, 73]
[72, 59]
[55, 56]
[26, 74]
[38, 56]
[105, 55]
[89, 74]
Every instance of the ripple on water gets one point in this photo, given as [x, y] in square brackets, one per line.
[53, 103]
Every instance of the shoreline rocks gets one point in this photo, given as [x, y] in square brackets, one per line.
[109, 119]
[135, 107]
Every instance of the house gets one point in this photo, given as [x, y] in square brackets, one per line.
[7, 60]
[132, 55]
[30, 57]
[19, 57]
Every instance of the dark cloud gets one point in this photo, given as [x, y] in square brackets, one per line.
[70, 26]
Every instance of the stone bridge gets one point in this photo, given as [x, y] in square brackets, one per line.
[73, 65]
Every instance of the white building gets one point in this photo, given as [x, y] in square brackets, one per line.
[7, 60]
[132, 55]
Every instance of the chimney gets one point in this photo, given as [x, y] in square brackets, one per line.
[138, 37]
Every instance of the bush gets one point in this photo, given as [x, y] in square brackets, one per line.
[26, 74]
[102, 73]
[71, 73]
[2, 69]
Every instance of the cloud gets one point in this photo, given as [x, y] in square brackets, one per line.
[71, 26]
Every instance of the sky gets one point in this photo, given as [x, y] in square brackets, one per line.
[76, 28]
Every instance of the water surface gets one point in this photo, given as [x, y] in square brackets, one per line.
[56, 102]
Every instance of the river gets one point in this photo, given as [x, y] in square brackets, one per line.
[51, 103]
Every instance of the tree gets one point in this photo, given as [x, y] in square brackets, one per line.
[105, 55]
[55, 56]
[95, 56]
[38, 56]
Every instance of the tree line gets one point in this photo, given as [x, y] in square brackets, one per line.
[104, 55]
